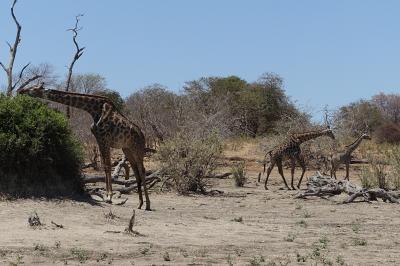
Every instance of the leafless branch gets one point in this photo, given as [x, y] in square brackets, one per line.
[13, 52]
[77, 55]
[25, 83]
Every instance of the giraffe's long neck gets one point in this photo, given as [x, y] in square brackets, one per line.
[355, 144]
[303, 137]
[91, 104]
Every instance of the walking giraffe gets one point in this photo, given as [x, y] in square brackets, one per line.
[345, 156]
[290, 148]
[111, 130]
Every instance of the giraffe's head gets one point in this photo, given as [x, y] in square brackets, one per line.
[328, 132]
[35, 91]
[366, 136]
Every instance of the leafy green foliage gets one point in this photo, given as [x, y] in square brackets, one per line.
[38, 155]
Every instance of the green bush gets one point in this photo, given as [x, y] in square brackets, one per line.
[38, 154]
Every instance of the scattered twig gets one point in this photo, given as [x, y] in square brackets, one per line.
[131, 222]
[57, 225]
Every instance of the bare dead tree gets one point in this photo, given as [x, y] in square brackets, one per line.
[77, 55]
[11, 85]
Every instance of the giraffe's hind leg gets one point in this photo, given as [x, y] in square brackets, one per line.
[280, 170]
[347, 170]
[300, 159]
[270, 167]
[136, 162]
[135, 169]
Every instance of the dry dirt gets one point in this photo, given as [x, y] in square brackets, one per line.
[242, 226]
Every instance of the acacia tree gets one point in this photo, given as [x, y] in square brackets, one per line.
[19, 81]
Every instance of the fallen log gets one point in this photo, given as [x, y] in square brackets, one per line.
[151, 180]
[114, 179]
[220, 176]
[325, 186]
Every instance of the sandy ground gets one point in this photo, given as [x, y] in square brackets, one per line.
[242, 226]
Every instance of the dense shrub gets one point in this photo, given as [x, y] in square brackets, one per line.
[38, 155]
[389, 132]
[189, 159]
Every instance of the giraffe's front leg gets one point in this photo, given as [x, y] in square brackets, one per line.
[292, 168]
[106, 159]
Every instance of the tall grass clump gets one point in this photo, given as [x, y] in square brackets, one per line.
[38, 154]
[239, 174]
[189, 158]
[394, 159]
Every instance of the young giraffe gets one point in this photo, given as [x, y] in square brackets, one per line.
[345, 156]
[111, 130]
[290, 147]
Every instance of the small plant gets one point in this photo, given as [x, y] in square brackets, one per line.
[298, 206]
[239, 174]
[184, 253]
[340, 260]
[18, 261]
[80, 254]
[355, 227]
[290, 237]
[306, 214]
[256, 261]
[110, 215]
[300, 258]
[166, 256]
[324, 241]
[57, 244]
[360, 242]
[144, 251]
[40, 247]
[302, 223]
[238, 219]
[229, 260]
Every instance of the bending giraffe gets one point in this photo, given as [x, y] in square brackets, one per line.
[290, 148]
[345, 156]
[111, 130]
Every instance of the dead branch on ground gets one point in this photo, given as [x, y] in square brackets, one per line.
[325, 186]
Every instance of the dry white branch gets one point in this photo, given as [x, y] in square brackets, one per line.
[325, 186]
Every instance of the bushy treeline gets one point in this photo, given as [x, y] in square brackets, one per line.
[379, 115]
[230, 105]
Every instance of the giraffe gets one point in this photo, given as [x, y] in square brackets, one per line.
[111, 130]
[345, 156]
[290, 148]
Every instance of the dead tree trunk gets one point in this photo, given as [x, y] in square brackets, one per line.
[77, 55]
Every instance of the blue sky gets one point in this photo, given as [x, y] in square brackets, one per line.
[328, 52]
